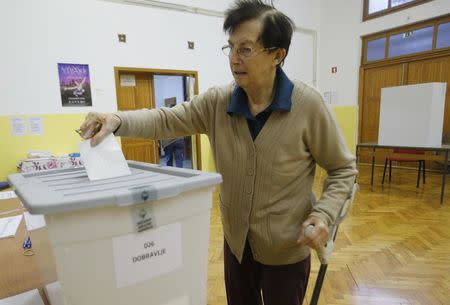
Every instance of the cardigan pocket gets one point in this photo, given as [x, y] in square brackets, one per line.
[283, 231]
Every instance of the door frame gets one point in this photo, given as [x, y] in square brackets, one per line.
[151, 72]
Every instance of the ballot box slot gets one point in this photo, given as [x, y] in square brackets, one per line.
[116, 184]
[131, 185]
[85, 182]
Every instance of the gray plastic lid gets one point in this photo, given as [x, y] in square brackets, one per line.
[64, 190]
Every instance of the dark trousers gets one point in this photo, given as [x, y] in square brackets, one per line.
[175, 149]
[279, 285]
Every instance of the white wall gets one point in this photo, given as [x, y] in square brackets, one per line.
[43, 33]
[341, 27]
[306, 15]
[40, 34]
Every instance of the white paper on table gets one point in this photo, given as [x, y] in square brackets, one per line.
[9, 225]
[7, 195]
[105, 160]
[34, 222]
[31, 297]
[54, 293]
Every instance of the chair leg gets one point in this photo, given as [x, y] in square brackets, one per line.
[423, 171]
[418, 173]
[390, 170]
[384, 170]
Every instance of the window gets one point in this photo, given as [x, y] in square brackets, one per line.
[443, 36]
[376, 49]
[378, 5]
[409, 42]
[395, 3]
[377, 8]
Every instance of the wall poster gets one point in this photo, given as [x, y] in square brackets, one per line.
[75, 85]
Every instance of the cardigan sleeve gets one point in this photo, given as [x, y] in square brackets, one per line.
[188, 118]
[327, 146]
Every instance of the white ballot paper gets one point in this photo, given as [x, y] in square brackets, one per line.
[105, 160]
[31, 297]
[9, 225]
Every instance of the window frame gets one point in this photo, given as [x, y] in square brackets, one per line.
[390, 9]
[435, 22]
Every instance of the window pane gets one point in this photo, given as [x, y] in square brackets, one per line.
[377, 5]
[375, 49]
[399, 2]
[443, 36]
[411, 42]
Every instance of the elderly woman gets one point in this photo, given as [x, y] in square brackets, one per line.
[267, 134]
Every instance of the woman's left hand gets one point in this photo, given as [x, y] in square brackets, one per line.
[317, 236]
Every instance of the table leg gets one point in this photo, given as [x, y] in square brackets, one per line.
[444, 174]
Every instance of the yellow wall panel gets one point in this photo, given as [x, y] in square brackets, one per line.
[346, 117]
[59, 137]
[207, 157]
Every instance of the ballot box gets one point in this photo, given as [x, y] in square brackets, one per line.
[136, 239]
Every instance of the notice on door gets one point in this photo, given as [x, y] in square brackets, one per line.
[142, 256]
[127, 80]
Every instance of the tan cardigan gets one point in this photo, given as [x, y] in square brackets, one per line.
[266, 190]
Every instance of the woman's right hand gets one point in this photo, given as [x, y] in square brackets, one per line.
[97, 126]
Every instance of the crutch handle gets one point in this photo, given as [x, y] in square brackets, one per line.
[324, 252]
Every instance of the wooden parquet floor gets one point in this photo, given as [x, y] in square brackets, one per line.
[393, 249]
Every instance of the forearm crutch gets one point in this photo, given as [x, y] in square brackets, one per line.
[324, 253]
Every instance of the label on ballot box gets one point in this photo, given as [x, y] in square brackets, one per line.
[143, 217]
[142, 256]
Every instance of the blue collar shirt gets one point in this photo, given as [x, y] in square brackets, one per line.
[281, 102]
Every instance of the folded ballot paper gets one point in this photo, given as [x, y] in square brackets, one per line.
[105, 160]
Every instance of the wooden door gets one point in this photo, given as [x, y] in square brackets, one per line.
[433, 70]
[131, 97]
[374, 80]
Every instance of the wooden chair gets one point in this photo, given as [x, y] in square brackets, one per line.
[399, 159]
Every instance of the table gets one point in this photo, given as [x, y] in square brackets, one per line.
[443, 148]
[20, 273]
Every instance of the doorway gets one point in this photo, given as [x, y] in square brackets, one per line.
[139, 88]
[171, 90]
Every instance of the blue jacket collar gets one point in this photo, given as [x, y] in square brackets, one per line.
[281, 100]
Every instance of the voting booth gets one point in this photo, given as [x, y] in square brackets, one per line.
[136, 239]
[412, 115]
